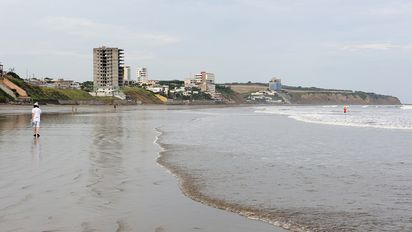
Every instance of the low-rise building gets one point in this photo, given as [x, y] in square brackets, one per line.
[65, 84]
[152, 82]
[265, 97]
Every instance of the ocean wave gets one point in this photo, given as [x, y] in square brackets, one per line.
[330, 106]
[406, 107]
[382, 117]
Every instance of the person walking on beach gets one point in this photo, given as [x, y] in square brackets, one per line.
[35, 119]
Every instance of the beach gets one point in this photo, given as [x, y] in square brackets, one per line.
[96, 170]
[191, 168]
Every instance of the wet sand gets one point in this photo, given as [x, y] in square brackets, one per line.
[96, 172]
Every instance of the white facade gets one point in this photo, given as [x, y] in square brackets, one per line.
[126, 74]
[275, 84]
[209, 78]
[204, 81]
[142, 75]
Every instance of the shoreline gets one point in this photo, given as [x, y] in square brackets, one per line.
[147, 198]
[190, 190]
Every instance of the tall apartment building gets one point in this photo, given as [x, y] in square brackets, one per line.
[107, 69]
[142, 76]
[126, 75]
[1, 70]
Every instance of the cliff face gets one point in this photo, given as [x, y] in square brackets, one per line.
[355, 98]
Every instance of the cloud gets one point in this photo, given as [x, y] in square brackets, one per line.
[46, 52]
[374, 46]
[396, 9]
[89, 29]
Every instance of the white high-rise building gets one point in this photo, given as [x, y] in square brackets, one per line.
[126, 75]
[142, 76]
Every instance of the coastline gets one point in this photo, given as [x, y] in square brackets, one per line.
[145, 197]
[190, 190]
[296, 186]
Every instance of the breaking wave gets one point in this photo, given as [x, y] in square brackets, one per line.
[385, 117]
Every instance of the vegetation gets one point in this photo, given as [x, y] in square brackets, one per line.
[87, 86]
[365, 95]
[75, 94]
[34, 92]
[140, 94]
[172, 83]
[229, 94]
[247, 83]
[47, 94]
[4, 97]
[314, 89]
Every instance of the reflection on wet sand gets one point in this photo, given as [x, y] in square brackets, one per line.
[97, 172]
[11, 122]
[105, 156]
[36, 151]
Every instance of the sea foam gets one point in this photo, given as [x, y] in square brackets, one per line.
[385, 117]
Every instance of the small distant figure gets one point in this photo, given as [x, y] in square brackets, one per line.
[74, 109]
[35, 119]
[345, 109]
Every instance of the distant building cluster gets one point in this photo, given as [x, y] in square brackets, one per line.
[203, 81]
[273, 94]
[58, 84]
[110, 74]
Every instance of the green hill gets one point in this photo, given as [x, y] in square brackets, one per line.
[48, 94]
[4, 97]
[52, 95]
[140, 94]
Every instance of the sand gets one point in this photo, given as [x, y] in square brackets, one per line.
[96, 172]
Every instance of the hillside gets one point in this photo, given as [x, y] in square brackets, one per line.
[230, 95]
[315, 96]
[330, 98]
[48, 95]
[4, 97]
[142, 95]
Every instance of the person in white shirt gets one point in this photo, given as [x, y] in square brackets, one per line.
[35, 119]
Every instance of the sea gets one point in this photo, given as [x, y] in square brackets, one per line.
[301, 168]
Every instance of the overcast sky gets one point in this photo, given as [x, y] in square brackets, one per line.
[346, 44]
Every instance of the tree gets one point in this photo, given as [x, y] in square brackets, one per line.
[87, 86]
[48, 80]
